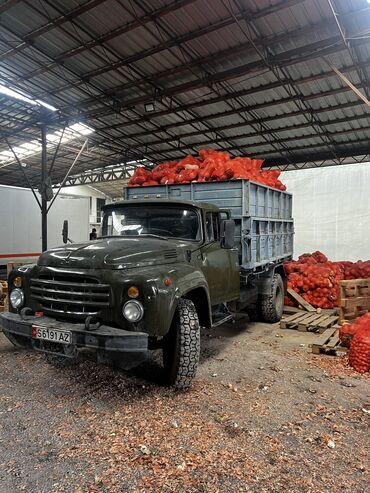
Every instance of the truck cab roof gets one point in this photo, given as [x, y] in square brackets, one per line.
[191, 203]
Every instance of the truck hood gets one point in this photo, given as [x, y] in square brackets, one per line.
[116, 253]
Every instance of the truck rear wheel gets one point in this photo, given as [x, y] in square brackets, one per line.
[16, 340]
[271, 305]
[182, 346]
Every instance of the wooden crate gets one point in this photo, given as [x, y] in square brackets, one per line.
[3, 288]
[328, 343]
[14, 265]
[309, 322]
[3, 295]
[354, 299]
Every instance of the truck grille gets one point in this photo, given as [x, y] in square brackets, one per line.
[70, 295]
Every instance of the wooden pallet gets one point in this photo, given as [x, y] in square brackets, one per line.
[354, 299]
[328, 343]
[300, 301]
[290, 310]
[309, 322]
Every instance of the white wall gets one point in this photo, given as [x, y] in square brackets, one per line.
[331, 210]
[86, 191]
[20, 221]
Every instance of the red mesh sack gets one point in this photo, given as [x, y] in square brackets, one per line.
[189, 160]
[346, 333]
[359, 353]
[140, 176]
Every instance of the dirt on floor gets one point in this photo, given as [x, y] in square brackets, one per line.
[264, 415]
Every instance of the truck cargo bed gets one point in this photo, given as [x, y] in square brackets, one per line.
[263, 215]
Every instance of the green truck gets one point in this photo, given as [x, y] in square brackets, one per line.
[169, 260]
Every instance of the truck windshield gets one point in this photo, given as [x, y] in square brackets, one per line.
[169, 222]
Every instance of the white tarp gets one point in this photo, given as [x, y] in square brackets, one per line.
[331, 210]
[20, 222]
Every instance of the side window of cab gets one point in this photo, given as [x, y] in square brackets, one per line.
[212, 226]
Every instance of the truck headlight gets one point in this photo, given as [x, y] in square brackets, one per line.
[16, 298]
[133, 311]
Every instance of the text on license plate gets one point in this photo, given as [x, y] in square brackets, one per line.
[53, 335]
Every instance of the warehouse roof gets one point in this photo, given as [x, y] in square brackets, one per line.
[158, 79]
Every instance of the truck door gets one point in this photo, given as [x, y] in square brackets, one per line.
[220, 265]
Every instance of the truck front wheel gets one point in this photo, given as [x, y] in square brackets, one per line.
[271, 305]
[182, 346]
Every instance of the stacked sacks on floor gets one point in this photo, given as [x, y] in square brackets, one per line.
[356, 337]
[210, 165]
[316, 279]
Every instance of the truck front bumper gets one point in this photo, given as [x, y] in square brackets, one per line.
[131, 348]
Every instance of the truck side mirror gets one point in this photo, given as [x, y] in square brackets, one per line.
[65, 232]
[227, 233]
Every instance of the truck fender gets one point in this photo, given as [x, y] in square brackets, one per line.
[263, 281]
[200, 297]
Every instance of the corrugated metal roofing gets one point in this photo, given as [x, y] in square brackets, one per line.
[249, 76]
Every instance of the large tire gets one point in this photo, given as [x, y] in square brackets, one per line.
[253, 314]
[17, 340]
[271, 306]
[181, 347]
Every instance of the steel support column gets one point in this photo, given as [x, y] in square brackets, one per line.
[44, 204]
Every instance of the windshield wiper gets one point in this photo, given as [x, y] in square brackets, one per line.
[133, 236]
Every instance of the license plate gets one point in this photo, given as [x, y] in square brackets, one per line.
[53, 335]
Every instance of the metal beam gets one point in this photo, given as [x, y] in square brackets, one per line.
[119, 31]
[165, 32]
[245, 92]
[95, 88]
[179, 109]
[198, 63]
[119, 172]
[8, 4]
[23, 172]
[171, 136]
[236, 111]
[291, 57]
[286, 140]
[67, 174]
[243, 48]
[44, 204]
[99, 176]
[251, 33]
[248, 151]
[319, 159]
[180, 40]
[283, 116]
[351, 49]
[52, 24]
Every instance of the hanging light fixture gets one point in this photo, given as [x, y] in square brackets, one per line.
[149, 107]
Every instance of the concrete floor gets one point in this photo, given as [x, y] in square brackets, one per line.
[261, 417]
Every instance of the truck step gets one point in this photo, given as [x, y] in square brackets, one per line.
[219, 321]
